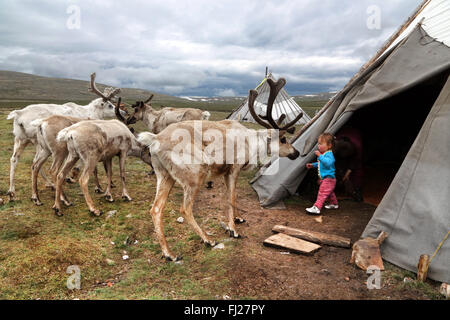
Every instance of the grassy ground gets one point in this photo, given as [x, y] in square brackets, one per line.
[36, 247]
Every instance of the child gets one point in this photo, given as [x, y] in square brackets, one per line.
[326, 174]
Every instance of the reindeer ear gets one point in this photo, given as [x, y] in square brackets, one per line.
[291, 130]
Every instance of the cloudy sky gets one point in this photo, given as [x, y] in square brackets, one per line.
[197, 48]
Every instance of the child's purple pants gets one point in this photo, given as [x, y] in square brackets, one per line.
[326, 192]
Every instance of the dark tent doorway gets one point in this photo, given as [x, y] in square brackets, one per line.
[388, 129]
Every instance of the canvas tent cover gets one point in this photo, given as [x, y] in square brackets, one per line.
[415, 210]
[283, 104]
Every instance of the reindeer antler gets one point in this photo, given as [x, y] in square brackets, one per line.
[149, 99]
[120, 117]
[109, 96]
[275, 88]
[117, 110]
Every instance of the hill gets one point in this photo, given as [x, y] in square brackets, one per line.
[20, 89]
[15, 86]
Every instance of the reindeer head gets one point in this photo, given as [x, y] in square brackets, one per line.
[267, 121]
[144, 150]
[139, 110]
[103, 106]
[119, 114]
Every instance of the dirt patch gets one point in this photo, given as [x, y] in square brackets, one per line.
[261, 272]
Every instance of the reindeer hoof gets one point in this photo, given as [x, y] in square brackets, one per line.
[70, 180]
[68, 203]
[210, 243]
[96, 213]
[234, 234]
[173, 259]
[109, 198]
[12, 195]
[98, 190]
[126, 198]
[37, 201]
[239, 220]
[209, 185]
[58, 212]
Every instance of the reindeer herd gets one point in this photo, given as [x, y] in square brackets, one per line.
[71, 132]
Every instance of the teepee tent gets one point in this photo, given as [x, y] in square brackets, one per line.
[283, 105]
[400, 102]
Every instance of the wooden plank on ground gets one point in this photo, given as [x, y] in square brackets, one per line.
[281, 240]
[317, 237]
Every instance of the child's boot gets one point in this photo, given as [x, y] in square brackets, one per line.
[313, 210]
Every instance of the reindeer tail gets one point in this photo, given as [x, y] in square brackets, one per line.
[37, 122]
[206, 115]
[13, 114]
[146, 138]
[63, 135]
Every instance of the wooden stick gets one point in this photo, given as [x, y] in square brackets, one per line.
[292, 244]
[422, 268]
[317, 237]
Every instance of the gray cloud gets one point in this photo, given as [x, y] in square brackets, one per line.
[197, 47]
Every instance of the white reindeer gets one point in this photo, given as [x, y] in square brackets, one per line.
[158, 120]
[25, 133]
[211, 157]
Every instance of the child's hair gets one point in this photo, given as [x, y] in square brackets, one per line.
[328, 138]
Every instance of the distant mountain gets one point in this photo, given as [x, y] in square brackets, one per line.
[316, 96]
[16, 86]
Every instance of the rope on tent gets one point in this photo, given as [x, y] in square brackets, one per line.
[439, 247]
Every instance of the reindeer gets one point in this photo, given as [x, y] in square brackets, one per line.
[93, 141]
[25, 132]
[210, 153]
[46, 146]
[158, 120]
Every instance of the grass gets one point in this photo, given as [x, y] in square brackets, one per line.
[395, 276]
[36, 247]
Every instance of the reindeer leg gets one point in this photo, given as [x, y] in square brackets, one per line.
[190, 189]
[48, 183]
[89, 167]
[68, 165]
[165, 184]
[74, 174]
[19, 146]
[122, 158]
[98, 188]
[58, 161]
[39, 159]
[189, 196]
[108, 166]
[230, 182]
[106, 171]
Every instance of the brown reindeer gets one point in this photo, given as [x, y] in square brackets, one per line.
[208, 149]
[93, 141]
